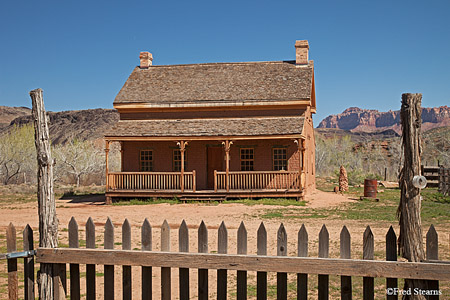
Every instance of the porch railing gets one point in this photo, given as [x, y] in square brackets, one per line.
[257, 180]
[151, 181]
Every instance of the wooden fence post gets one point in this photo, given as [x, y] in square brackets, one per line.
[302, 279]
[48, 223]
[242, 249]
[261, 277]
[146, 241]
[324, 246]
[410, 239]
[11, 246]
[222, 248]
[202, 273]
[183, 246]
[28, 245]
[345, 250]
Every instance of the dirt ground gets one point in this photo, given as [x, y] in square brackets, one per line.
[83, 207]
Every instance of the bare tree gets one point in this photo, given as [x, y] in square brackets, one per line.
[79, 158]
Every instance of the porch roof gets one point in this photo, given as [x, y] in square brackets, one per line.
[268, 126]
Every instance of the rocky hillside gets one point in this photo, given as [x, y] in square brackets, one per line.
[7, 114]
[82, 124]
[370, 120]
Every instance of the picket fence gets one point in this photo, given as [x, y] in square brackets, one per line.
[432, 270]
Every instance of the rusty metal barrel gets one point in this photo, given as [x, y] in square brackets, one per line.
[370, 188]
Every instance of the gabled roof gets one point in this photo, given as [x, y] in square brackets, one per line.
[267, 126]
[218, 82]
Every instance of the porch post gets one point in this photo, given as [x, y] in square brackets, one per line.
[121, 156]
[182, 145]
[301, 159]
[227, 145]
[106, 163]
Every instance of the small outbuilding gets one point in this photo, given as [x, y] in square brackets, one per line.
[216, 130]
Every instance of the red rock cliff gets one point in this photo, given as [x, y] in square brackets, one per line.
[357, 119]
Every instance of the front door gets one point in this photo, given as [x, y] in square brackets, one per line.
[214, 162]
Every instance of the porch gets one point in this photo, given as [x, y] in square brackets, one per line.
[252, 157]
[231, 184]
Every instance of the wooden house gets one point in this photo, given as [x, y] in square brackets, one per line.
[216, 130]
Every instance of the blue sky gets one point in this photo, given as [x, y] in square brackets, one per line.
[366, 53]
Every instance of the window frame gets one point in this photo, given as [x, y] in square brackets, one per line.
[276, 160]
[142, 167]
[243, 161]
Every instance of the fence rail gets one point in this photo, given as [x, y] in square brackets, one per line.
[431, 173]
[257, 180]
[433, 270]
[444, 181]
[151, 181]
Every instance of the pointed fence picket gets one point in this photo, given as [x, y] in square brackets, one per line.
[222, 248]
[324, 248]
[146, 241]
[432, 270]
[345, 249]
[74, 268]
[242, 275]
[183, 244]
[166, 284]
[202, 273]
[11, 246]
[302, 278]
[90, 268]
[126, 270]
[391, 255]
[261, 277]
[109, 269]
[368, 249]
[28, 262]
[282, 251]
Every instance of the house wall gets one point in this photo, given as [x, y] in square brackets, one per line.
[310, 154]
[196, 152]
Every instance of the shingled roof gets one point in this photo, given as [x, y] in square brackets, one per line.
[208, 127]
[218, 82]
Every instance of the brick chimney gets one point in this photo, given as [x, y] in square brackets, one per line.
[146, 60]
[301, 52]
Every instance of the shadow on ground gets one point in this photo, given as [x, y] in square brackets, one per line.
[87, 199]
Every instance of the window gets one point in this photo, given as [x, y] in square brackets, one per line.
[146, 160]
[176, 165]
[279, 159]
[247, 159]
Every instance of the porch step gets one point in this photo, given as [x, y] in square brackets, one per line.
[203, 198]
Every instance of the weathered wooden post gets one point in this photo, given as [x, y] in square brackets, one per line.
[48, 223]
[410, 239]
[227, 144]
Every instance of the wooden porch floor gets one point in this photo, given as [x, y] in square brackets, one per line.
[204, 195]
